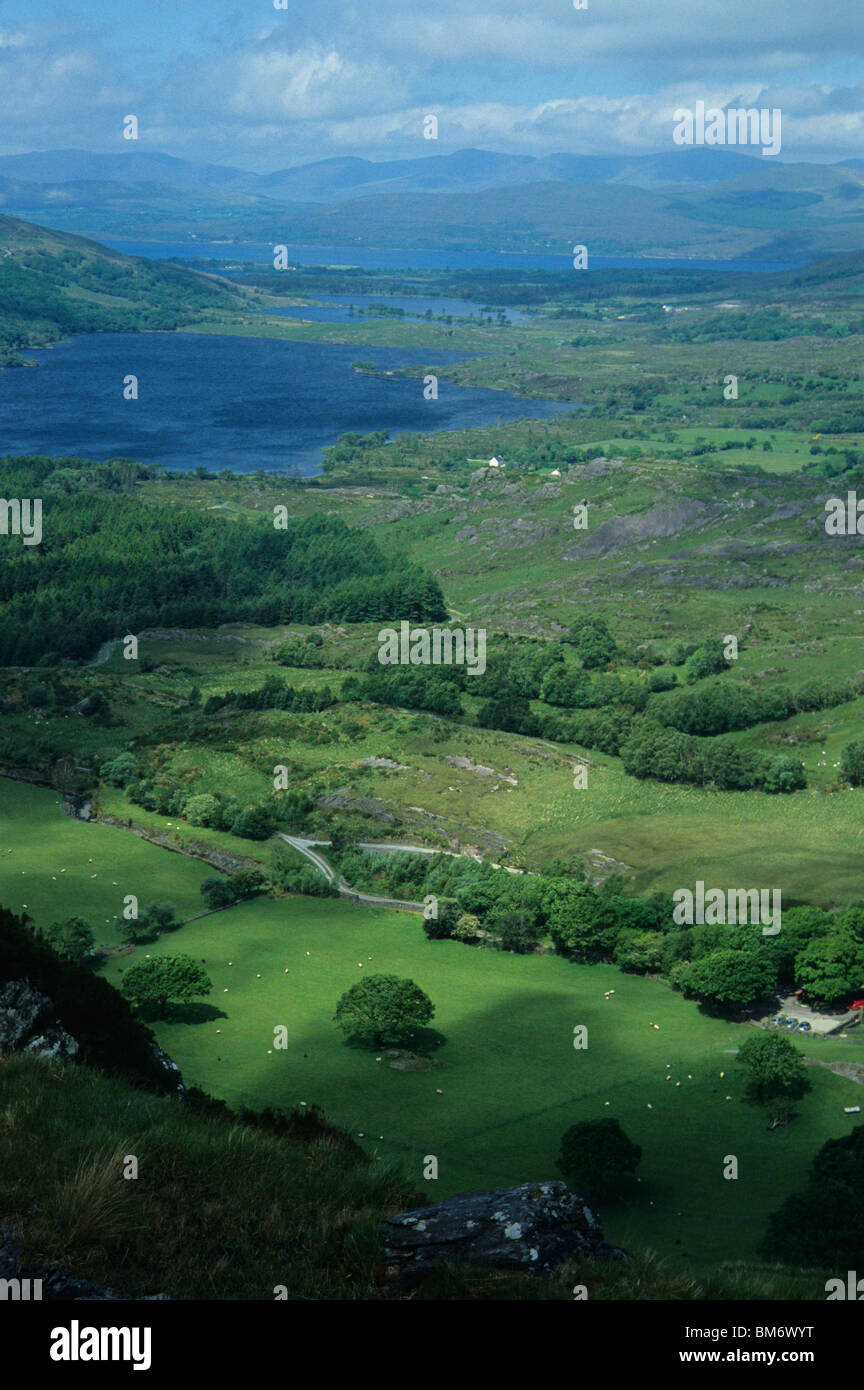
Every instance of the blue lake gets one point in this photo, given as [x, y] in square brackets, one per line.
[337, 308]
[225, 402]
[386, 258]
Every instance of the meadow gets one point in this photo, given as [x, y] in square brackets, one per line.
[53, 866]
[507, 1081]
[503, 1086]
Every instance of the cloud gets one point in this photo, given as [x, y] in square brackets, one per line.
[311, 82]
[55, 80]
[550, 33]
[337, 77]
[817, 123]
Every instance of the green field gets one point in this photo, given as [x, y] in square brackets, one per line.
[53, 866]
[509, 1078]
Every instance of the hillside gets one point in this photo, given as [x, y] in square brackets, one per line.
[54, 283]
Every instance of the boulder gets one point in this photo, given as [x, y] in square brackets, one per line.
[530, 1228]
[28, 1024]
[171, 1067]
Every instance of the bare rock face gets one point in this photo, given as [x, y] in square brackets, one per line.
[531, 1228]
[28, 1023]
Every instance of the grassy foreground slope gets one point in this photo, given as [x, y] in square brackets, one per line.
[217, 1211]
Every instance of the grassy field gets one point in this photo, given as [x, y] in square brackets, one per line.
[53, 866]
[507, 1081]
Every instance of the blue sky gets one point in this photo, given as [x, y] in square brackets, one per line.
[261, 88]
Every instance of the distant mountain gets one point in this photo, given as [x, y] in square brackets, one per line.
[55, 167]
[698, 201]
[331, 180]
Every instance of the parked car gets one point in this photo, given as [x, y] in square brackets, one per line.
[804, 1026]
[791, 1023]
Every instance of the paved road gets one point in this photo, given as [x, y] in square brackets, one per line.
[305, 847]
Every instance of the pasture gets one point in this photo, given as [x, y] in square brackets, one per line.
[507, 1081]
[53, 866]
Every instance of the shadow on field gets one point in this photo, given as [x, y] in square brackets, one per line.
[193, 1012]
[422, 1040]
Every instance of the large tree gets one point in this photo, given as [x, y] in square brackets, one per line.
[383, 1008]
[731, 977]
[581, 921]
[830, 968]
[595, 1154]
[165, 980]
[824, 1223]
[72, 937]
[775, 1073]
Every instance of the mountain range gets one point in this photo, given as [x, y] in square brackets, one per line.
[699, 201]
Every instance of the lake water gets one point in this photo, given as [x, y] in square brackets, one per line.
[386, 258]
[336, 308]
[226, 402]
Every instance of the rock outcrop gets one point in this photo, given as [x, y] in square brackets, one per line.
[28, 1023]
[530, 1228]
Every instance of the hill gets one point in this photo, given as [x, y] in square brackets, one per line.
[55, 283]
[689, 202]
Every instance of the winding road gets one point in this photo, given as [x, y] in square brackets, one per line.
[306, 848]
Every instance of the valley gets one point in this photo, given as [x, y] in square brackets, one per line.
[192, 665]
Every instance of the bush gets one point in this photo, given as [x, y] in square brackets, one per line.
[442, 923]
[662, 680]
[254, 823]
[852, 763]
[518, 931]
[784, 774]
[203, 809]
[706, 660]
[639, 951]
[308, 882]
[120, 771]
[468, 927]
[72, 937]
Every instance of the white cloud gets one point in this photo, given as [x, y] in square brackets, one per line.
[342, 77]
[307, 83]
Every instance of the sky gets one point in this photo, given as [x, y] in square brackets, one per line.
[263, 88]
